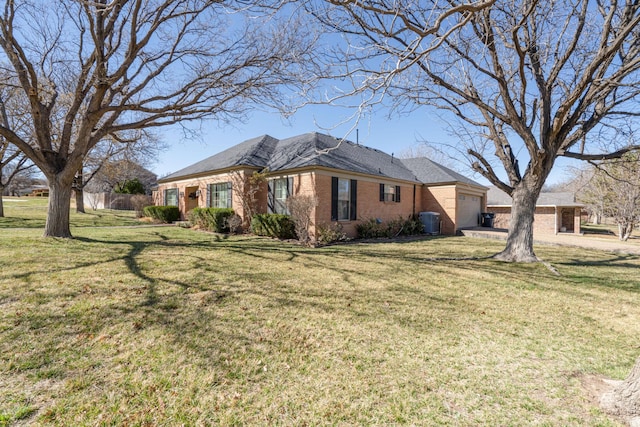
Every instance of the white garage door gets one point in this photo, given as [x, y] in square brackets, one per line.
[469, 208]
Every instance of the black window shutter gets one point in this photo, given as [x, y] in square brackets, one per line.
[229, 199]
[354, 199]
[397, 194]
[382, 192]
[289, 186]
[334, 198]
[270, 197]
[209, 195]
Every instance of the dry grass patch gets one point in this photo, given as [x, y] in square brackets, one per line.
[166, 326]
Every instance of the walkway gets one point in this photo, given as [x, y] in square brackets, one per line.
[589, 241]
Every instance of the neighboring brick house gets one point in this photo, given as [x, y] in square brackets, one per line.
[555, 212]
[351, 183]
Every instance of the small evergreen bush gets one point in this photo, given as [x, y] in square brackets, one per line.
[373, 228]
[130, 186]
[273, 225]
[211, 219]
[165, 214]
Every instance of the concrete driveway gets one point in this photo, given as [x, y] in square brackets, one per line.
[589, 241]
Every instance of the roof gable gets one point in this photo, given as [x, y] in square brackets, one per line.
[316, 149]
[428, 171]
[254, 152]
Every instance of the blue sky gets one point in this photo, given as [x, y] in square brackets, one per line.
[377, 130]
[389, 135]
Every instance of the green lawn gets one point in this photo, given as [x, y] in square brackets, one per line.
[168, 326]
[606, 231]
[31, 212]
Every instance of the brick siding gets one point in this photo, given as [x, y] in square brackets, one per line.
[441, 199]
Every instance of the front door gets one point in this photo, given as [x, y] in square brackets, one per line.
[191, 198]
[567, 219]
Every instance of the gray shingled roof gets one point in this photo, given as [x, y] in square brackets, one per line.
[497, 197]
[253, 152]
[316, 149]
[431, 172]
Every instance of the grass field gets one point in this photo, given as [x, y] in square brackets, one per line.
[31, 212]
[606, 231]
[167, 326]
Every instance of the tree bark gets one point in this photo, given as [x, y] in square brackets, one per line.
[624, 399]
[1, 201]
[58, 209]
[78, 189]
[79, 192]
[519, 246]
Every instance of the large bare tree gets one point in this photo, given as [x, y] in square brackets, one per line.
[95, 69]
[528, 81]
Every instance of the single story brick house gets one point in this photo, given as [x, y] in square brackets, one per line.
[555, 212]
[351, 183]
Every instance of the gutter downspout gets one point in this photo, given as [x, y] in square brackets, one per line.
[413, 209]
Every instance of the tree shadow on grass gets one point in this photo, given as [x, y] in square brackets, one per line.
[480, 260]
[240, 335]
[264, 249]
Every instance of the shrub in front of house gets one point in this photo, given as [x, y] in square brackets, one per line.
[211, 219]
[373, 228]
[330, 233]
[370, 229]
[273, 225]
[411, 226]
[165, 214]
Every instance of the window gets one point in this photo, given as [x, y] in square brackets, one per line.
[389, 193]
[280, 189]
[171, 197]
[343, 199]
[467, 197]
[219, 195]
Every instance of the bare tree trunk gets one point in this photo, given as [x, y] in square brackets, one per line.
[79, 191]
[624, 231]
[519, 246]
[58, 209]
[624, 399]
[1, 201]
[598, 218]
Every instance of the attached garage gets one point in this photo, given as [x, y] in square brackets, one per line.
[469, 207]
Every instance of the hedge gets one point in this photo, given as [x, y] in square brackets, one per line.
[373, 228]
[273, 225]
[166, 214]
[211, 219]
